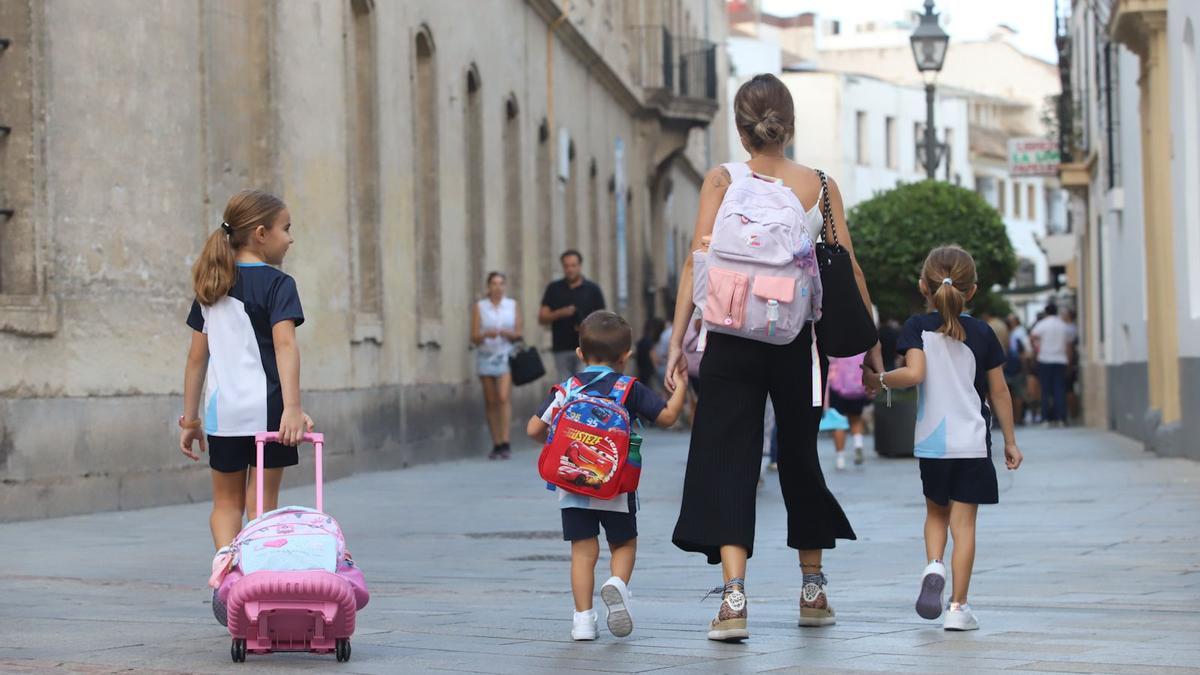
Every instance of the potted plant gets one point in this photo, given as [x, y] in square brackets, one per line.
[893, 232]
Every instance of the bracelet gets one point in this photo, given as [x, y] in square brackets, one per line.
[887, 390]
[194, 424]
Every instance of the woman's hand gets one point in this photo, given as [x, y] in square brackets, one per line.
[675, 365]
[186, 437]
[870, 379]
[293, 425]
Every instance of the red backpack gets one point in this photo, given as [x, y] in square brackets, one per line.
[587, 451]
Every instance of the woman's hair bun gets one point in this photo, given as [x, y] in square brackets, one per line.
[770, 129]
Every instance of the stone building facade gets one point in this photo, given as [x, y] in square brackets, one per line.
[417, 144]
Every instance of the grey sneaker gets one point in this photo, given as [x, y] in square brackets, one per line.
[615, 595]
[933, 585]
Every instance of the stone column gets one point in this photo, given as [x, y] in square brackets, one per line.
[1141, 26]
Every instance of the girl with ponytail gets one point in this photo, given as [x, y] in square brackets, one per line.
[957, 364]
[243, 352]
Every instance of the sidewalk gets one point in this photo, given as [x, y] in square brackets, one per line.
[1089, 564]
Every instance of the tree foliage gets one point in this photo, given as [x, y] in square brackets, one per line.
[895, 230]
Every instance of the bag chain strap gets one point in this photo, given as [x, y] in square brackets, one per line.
[826, 211]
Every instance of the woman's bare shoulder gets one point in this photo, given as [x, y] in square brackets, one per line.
[717, 178]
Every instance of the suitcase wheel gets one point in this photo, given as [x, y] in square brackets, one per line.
[342, 649]
[238, 650]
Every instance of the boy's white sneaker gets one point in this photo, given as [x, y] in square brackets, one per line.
[933, 586]
[960, 617]
[584, 627]
[615, 595]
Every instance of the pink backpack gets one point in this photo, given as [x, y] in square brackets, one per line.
[845, 376]
[759, 278]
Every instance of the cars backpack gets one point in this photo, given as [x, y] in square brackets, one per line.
[759, 277]
[587, 451]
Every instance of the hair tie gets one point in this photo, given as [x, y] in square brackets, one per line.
[227, 228]
[947, 281]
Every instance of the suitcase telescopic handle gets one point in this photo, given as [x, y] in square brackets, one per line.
[264, 437]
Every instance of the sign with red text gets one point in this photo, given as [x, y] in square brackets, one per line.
[1032, 157]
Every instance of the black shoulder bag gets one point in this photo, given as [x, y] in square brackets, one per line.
[846, 327]
[525, 364]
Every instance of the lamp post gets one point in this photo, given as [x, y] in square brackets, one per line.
[929, 51]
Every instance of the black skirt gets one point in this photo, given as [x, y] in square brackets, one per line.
[721, 484]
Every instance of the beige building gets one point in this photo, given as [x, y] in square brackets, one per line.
[1133, 139]
[417, 144]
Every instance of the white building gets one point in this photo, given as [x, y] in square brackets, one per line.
[1134, 74]
[1006, 92]
[866, 132]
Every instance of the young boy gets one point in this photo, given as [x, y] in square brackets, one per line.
[605, 342]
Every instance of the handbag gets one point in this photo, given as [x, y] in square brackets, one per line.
[846, 327]
[525, 365]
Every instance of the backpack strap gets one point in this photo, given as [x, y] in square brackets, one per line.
[622, 388]
[737, 170]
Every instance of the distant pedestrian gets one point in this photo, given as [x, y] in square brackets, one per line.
[645, 351]
[244, 354]
[604, 345]
[495, 327]
[565, 304]
[957, 363]
[1053, 342]
[848, 396]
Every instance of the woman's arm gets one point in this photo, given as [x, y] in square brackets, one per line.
[875, 355]
[716, 182]
[293, 423]
[193, 379]
[515, 333]
[476, 329]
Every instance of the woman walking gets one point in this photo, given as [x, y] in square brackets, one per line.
[495, 326]
[736, 375]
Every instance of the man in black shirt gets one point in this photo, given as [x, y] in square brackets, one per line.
[565, 304]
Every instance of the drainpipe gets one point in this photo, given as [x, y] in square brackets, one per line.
[550, 68]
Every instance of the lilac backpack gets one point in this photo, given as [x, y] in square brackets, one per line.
[759, 278]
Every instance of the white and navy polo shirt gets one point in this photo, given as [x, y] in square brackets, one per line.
[242, 395]
[953, 416]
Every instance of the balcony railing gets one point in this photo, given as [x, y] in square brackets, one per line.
[665, 63]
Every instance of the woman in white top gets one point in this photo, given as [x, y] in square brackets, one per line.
[495, 326]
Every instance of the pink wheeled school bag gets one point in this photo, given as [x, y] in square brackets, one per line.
[289, 584]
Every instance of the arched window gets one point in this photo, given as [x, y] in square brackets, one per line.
[364, 167]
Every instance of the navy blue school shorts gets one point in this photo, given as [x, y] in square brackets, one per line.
[229, 454]
[970, 481]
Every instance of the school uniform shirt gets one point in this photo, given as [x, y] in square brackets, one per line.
[242, 395]
[641, 402]
[953, 416]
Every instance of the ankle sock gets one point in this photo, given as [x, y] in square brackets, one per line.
[858, 441]
[818, 578]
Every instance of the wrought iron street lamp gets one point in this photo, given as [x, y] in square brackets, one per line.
[929, 51]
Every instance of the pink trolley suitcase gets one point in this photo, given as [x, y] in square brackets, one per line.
[290, 585]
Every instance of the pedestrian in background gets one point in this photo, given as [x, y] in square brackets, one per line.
[957, 362]
[244, 353]
[565, 304]
[1053, 341]
[848, 396]
[495, 327]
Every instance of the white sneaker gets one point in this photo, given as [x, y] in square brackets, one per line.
[584, 627]
[615, 595]
[933, 586]
[841, 461]
[960, 617]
